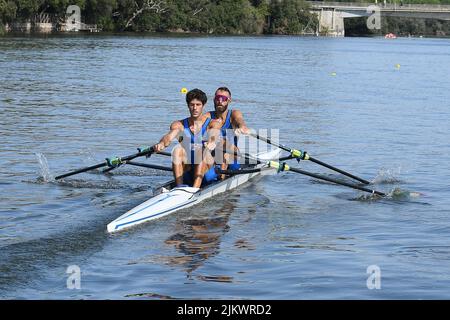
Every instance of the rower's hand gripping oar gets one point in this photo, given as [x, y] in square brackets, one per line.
[303, 155]
[109, 162]
[285, 167]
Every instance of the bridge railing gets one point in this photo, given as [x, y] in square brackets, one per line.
[388, 6]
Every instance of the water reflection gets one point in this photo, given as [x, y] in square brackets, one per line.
[198, 239]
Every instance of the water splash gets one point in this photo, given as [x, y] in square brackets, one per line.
[396, 194]
[46, 175]
[388, 176]
[368, 197]
[399, 194]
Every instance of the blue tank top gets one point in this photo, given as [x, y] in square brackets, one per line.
[194, 140]
[226, 126]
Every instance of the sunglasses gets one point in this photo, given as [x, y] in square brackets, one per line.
[221, 98]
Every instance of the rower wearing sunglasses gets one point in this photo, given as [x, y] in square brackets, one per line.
[232, 122]
[192, 162]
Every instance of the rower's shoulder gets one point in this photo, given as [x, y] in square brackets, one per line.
[177, 125]
[208, 114]
[236, 113]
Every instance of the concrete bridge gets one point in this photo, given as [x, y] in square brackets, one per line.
[332, 14]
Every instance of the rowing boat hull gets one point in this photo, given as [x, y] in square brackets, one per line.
[169, 201]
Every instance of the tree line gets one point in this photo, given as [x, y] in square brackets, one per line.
[203, 16]
[212, 16]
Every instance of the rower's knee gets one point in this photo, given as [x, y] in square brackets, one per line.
[178, 155]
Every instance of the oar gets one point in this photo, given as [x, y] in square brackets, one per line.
[285, 167]
[109, 162]
[141, 149]
[303, 155]
[151, 166]
[81, 170]
[240, 171]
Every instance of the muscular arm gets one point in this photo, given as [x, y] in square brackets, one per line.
[237, 120]
[214, 131]
[175, 128]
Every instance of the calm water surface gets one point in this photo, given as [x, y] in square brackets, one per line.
[374, 107]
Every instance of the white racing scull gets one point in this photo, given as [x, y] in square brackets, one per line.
[169, 198]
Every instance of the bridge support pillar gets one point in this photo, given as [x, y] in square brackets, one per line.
[331, 22]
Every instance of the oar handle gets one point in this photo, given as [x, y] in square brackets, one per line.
[141, 153]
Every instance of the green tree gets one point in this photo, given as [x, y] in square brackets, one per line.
[26, 9]
[290, 16]
[101, 12]
[8, 11]
[134, 14]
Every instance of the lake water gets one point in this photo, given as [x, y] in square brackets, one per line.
[374, 107]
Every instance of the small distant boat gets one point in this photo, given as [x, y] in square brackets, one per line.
[390, 36]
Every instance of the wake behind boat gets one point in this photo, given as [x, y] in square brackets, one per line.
[169, 199]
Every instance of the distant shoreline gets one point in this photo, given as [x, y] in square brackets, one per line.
[195, 34]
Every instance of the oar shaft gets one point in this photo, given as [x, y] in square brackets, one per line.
[310, 174]
[242, 171]
[313, 175]
[81, 170]
[267, 140]
[163, 153]
[338, 170]
[136, 155]
[104, 164]
[150, 166]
